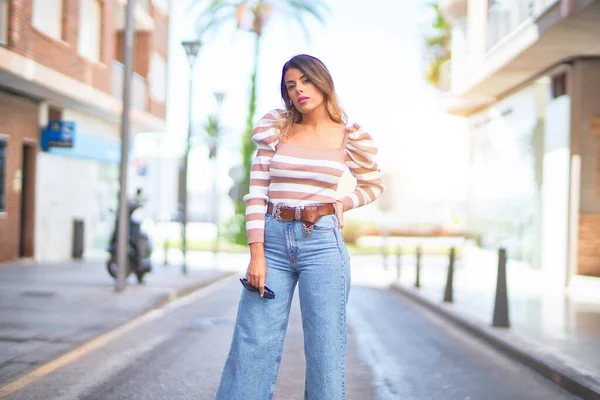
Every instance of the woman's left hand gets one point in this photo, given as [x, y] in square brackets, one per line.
[339, 213]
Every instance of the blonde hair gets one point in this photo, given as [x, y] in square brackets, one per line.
[318, 74]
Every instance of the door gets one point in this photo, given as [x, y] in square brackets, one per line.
[26, 222]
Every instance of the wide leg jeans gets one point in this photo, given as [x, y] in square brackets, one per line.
[319, 264]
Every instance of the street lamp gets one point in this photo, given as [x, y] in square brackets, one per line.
[192, 47]
[219, 97]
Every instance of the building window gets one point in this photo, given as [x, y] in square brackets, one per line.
[3, 22]
[46, 17]
[157, 77]
[90, 29]
[2, 175]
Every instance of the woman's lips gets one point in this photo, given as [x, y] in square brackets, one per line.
[303, 99]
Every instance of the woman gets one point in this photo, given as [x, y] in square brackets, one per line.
[293, 223]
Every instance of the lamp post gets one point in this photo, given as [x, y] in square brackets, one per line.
[192, 47]
[219, 97]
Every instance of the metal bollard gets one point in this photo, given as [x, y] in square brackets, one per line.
[449, 291]
[501, 318]
[384, 254]
[166, 248]
[418, 278]
[398, 261]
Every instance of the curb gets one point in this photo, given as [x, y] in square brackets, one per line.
[184, 291]
[59, 360]
[541, 360]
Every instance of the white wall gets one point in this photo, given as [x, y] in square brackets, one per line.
[69, 188]
[505, 176]
[555, 191]
[160, 183]
[91, 125]
[159, 186]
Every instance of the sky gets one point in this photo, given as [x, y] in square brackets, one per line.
[373, 50]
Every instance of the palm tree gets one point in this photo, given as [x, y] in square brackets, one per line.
[438, 45]
[253, 16]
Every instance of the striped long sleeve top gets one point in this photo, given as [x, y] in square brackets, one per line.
[297, 176]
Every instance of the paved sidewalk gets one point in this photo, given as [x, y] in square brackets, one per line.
[561, 331]
[46, 310]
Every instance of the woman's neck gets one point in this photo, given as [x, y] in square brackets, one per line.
[316, 117]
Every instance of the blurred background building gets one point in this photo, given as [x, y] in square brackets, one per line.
[61, 78]
[526, 75]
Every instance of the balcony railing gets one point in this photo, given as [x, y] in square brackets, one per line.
[139, 87]
[505, 16]
[3, 22]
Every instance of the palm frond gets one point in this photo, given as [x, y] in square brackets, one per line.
[315, 8]
[437, 40]
[212, 126]
[202, 7]
[204, 27]
[302, 24]
[213, 14]
[297, 10]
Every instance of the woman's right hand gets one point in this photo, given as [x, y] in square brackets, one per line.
[257, 269]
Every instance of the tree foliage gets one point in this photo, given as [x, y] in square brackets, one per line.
[437, 45]
[252, 16]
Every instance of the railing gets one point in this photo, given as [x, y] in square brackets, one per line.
[139, 87]
[3, 22]
[505, 16]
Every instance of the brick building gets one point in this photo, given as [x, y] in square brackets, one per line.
[526, 75]
[61, 62]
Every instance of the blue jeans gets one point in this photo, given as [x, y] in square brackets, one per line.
[320, 264]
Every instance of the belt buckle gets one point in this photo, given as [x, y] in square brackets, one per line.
[297, 213]
[277, 212]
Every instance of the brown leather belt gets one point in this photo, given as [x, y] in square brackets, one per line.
[307, 214]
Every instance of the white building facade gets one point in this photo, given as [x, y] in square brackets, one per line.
[526, 75]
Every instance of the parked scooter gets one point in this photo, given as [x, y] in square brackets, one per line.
[139, 250]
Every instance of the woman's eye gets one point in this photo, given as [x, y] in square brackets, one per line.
[305, 81]
[290, 87]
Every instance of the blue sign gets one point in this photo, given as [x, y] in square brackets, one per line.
[92, 148]
[58, 134]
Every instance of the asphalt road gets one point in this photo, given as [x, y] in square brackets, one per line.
[396, 351]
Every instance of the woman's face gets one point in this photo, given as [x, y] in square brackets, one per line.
[304, 94]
